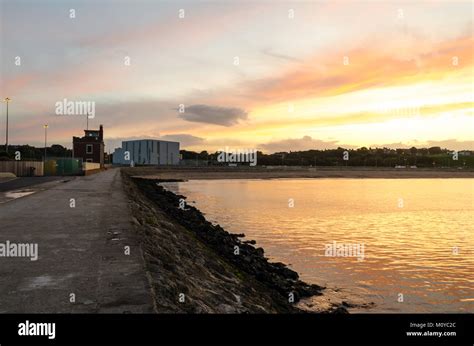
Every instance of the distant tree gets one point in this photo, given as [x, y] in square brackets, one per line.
[203, 155]
[4, 156]
[435, 150]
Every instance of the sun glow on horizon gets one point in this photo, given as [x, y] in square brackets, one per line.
[372, 79]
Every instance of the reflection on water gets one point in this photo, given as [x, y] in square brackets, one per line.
[418, 234]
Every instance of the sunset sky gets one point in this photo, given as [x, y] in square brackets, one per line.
[340, 73]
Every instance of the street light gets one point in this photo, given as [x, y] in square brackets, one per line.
[7, 100]
[45, 138]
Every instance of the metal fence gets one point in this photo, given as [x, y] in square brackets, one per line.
[63, 166]
[23, 168]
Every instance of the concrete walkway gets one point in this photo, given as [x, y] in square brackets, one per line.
[8, 184]
[81, 250]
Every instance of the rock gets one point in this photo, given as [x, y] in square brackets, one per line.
[340, 310]
[251, 260]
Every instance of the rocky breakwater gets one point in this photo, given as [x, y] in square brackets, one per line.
[283, 284]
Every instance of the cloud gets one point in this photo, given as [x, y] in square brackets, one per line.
[452, 144]
[397, 145]
[184, 139]
[301, 144]
[371, 65]
[175, 29]
[269, 52]
[224, 116]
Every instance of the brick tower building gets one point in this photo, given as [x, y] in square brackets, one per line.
[90, 147]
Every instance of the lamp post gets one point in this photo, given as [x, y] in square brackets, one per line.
[7, 100]
[45, 139]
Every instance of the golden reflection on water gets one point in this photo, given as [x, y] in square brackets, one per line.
[418, 234]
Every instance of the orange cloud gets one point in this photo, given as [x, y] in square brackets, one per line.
[368, 67]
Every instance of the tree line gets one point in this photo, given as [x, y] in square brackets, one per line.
[28, 152]
[370, 157]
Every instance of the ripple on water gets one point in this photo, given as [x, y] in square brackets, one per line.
[423, 250]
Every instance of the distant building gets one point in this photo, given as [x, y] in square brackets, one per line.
[147, 152]
[465, 153]
[90, 147]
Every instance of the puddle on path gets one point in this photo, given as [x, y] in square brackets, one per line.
[18, 194]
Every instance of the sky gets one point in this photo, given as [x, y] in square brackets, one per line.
[267, 75]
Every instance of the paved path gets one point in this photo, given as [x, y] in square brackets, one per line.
[23, 182]
[81, 250]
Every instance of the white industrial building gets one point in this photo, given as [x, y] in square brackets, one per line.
[147, 152]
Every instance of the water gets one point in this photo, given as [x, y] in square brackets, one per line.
[418, 234]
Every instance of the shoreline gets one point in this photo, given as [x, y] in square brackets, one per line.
[222, 274]
[257, 270]
[204, 173]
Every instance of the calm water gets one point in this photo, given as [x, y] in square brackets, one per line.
[418, 234]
